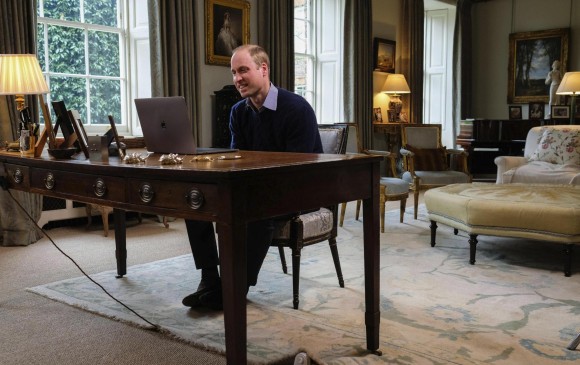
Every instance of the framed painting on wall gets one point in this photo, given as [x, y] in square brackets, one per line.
[531, 55]
[536, 111]
[560, 111]
[227, 27]
[515, 112]
[384, 55]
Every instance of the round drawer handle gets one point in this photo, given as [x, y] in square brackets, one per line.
[194, 198]
[18, 176]
[100, 188]
[146, 193]
[49, 181]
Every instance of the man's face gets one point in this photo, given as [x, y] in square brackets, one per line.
[249, 78]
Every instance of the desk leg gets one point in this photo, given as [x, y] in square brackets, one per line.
[120, 242]
[232, 247]
[372, 266]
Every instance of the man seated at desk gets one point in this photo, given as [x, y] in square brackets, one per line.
[268, 119]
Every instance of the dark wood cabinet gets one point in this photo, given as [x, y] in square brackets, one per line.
[490, 138]
[224, 100]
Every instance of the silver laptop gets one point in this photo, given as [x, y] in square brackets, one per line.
[167, 128]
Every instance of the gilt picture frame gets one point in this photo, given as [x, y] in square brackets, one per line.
[531, 55]
[560, 112]
[384, 55]
[227, 27]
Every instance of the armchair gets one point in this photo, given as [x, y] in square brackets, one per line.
[551, 156]
[312, 227]
[427, 163]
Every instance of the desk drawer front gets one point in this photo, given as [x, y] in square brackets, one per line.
[18, 176]
[72, 184]
[201, 198]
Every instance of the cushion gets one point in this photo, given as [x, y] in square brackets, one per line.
[558, 146]
[315, 224]
[429, 159]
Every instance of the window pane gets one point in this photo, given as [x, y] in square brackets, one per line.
[103, 12]
[301, 36]
[66, 50]
[303, 74]
[40, 48]
[104, 54]
[71, 90]
[105, 101]
[63, 9]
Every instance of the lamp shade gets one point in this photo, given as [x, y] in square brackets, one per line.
[20, 74]
[396, 84]
[570, 84]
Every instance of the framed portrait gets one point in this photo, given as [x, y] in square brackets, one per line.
[227, 27]
[531, 55]
[378, 115]
[536, 111]
[384, 55]
[560, 112]
[515, 112]
[77, 123]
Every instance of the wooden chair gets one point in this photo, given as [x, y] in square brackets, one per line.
[312, 227]
[427, 163]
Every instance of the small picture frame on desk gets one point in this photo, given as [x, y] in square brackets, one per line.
[515, 112]
[560, 112]
[392, 115]
[535, 111]
[378, 115]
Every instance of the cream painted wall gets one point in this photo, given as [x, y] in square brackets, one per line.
[213, 77]
[493, 21]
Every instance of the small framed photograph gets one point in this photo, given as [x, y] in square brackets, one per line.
[82, 138]
[384, 55]
[378, 115]
[536, 110]
[392, 115]
[515, 112]
[560, 111]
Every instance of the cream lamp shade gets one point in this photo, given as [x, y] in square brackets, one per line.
[570, 85]
[20, 75]
[396, 84]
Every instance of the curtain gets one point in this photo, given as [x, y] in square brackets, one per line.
[462, 73]
[17, 35]
[411, 60]
[173, 39]
[276, 36]
[358, 68]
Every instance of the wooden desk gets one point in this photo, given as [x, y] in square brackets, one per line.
[228, 192]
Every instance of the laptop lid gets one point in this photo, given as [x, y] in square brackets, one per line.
[167, 128]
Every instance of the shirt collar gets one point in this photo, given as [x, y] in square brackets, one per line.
[271, 101]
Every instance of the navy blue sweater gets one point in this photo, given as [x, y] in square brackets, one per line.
[292, 127]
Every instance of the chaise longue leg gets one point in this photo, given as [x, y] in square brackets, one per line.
[472, 245]
[433, 227]
[568, 259]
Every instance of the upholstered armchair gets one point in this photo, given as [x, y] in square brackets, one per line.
[427, 163]
[551, 156]
[312, 227]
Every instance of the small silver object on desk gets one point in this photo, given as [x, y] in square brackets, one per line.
[133, 158]
[171, 159]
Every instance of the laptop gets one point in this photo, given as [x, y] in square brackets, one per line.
[167, 128]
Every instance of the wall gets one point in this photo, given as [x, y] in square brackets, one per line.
[213, 77]
[493, 21]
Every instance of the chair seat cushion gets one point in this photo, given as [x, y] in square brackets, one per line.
[437, 177]
[394, 186]
[315, 224]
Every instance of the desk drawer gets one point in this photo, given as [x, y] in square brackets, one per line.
[18, 176]
[202, 198]
[69, 184]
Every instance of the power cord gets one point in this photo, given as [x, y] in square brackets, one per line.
[4, 185]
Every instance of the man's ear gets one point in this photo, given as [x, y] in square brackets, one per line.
[264, 69]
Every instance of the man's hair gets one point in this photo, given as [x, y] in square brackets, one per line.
[257, 53]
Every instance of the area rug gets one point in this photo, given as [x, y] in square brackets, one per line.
[514, 306]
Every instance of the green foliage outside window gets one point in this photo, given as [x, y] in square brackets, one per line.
[83, 65]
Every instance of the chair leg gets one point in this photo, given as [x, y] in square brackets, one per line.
[357, 209]
[336, 259]
[342, 211]
[416, 203]
[403, 207]
[283, 259]
[295, 277]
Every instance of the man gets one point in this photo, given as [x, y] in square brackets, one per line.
[268, 119]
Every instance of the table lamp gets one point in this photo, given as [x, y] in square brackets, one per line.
[394, 86]
[570, 85]
[20, 75]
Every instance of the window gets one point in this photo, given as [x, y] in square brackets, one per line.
[82, 51]
[318, 30]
